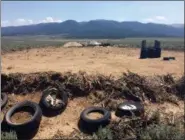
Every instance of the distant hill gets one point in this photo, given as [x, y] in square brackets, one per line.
[96, 29]
[178, 25]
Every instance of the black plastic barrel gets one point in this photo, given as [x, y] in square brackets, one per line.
[144, 50]
[158, 52]
[151, 52]
[157, 47]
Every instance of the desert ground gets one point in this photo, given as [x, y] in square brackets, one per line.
[103, 60]
[92, 60]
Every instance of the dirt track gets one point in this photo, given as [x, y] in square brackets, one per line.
[91, 60]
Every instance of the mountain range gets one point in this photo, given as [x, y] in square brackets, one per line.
[97, 29]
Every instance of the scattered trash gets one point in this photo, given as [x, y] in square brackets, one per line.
[53, 100]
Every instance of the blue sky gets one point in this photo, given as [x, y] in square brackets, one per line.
[33, 12]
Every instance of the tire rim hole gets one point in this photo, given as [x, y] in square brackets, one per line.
[22, 115]
[95, 115]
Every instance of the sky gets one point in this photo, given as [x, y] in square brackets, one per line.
[15, 13]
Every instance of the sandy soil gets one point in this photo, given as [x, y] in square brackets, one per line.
[21, 117]
[94, 115]
[67, 122]
[92, 60]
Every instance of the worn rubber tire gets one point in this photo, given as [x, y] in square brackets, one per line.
[93, 124]
[4, 98]
[123, 110]
[166, 58]
[47, 106]
[29, 125]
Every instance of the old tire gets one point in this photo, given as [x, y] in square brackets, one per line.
[50, 108]
[166, 58]
[92, 125]
[129, 108]
[33, 123]
[4, 99]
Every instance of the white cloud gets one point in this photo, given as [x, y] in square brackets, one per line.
[49, 20]
[149, 20]
[5, 23]
[156, 19]
[22, 21]
[30, 21]
[160, 18]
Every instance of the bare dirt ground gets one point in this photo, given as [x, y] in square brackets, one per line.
[104, 60]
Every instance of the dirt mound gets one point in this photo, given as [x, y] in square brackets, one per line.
[72, 44]
[129, 86]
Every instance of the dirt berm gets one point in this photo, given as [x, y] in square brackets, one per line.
[89, 90]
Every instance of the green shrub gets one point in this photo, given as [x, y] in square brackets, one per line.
[161, 132]
[9, 135]
[103, 134]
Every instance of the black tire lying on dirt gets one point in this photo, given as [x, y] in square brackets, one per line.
[91, 125]
[166, 58]
[46, 106]
[4, 100]
[29, 125]
[129, 108]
